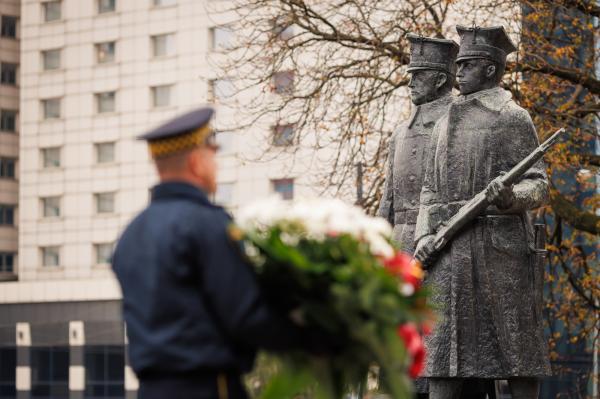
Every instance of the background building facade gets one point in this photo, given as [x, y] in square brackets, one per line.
[93, 75]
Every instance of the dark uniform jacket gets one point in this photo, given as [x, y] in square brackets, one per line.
[406, 168]
[190, 301]
[487, 282]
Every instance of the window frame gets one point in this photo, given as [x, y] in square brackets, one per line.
[99, 5]
[45, 151]
[45, 64]
[8, 352]
[45, 6]
[14, 73]
[154, 92]
[278, 136]
[46, 102]
[99, 197]
[12, 165]
[3, 115]
[97, 147]
[52, 383]
[154, 45]
[4, 255]
[98, 247]
[105, 382]
[97, 47]
[15, 28]
[283, 193]
[56, 255]
[98, 98]
[7, 212]
[46, 206]
[213, 30]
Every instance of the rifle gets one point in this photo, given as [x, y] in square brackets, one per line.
[477, 204]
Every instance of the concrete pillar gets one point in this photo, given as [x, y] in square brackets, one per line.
[23, 371]
[76, 361]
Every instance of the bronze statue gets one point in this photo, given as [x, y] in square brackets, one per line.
[487, 281]
[432, 68]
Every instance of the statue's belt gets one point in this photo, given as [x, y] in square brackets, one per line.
[407, 216]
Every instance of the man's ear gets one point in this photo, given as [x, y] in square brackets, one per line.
[490, 71]
[441, 80]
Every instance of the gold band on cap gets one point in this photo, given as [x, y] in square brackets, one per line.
[172, 145]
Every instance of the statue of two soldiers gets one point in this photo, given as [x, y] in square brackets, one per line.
[487, 282]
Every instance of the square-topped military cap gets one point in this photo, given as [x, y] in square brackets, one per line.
[182, 133]
[432, 53]
[490, 43]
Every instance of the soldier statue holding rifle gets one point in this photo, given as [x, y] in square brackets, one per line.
[486, 275]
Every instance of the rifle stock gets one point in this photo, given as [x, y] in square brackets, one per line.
[479, 203]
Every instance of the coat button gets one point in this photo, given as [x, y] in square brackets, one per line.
[456, 197]
[412, 178]
[414, 150]
[413, 202]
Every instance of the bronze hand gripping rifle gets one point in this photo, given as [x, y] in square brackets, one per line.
[479, 203]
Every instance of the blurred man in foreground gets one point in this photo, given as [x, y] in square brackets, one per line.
[194, 312]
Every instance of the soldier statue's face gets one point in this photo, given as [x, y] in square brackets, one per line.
[425, 85]
[475, 75]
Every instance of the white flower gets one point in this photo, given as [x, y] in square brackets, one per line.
[318, 218]
[406, 289]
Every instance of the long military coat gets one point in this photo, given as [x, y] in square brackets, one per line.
[406, 168]
[487, 282]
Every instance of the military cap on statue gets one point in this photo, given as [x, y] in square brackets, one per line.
[432, 53]
[489, 43]
[181, 133]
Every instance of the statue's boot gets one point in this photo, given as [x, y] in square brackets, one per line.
[445, 388]
[524, 388]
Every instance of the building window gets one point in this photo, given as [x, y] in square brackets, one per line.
[105, 102]
[52, 11]
[163, 45]
[51, 207]
[7, 168]
[7, 265]
[105, 6]
[8, 366]
[51, 108]
[51, 157]
[221, 38]
[49, 372]
[7, 215]
[50, 256]
[281, 28]
[51, 59]
[220, 89]
[283, 135]
[105, 52]
[284, 187]
[8, 120]
[162, 3]
[224, 194]
[8, 73]
[105, 152]
[161, 96]
[103, 253]
[9, 26]
[105, 202]
[283, 82]
[104, 371]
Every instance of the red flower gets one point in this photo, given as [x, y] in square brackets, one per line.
[405, 266]
[414, 345]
